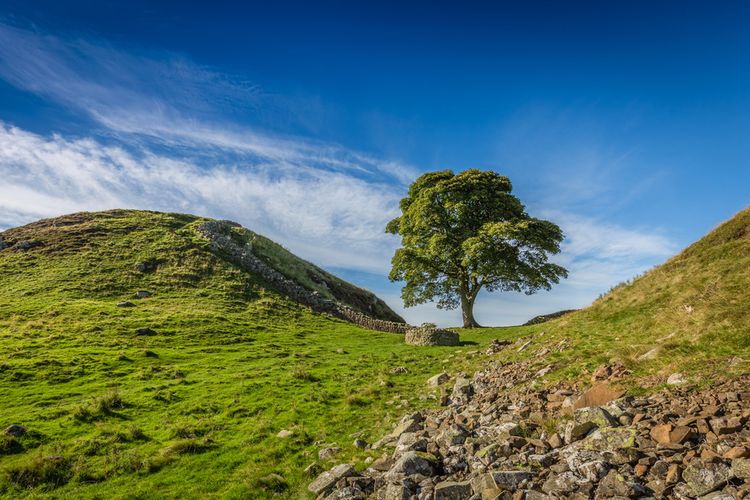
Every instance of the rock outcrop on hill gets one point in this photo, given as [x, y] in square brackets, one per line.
[501, 435]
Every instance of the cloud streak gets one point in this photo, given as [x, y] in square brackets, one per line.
[331, 218]
[165, 99]
[171, 135]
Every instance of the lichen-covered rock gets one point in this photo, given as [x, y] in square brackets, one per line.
[741, 468]
[704, 477]
[609, 439]
[585, 420]
[616, 485]
[431, 336]
[564, 483]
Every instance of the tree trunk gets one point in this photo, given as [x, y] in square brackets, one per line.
[467, 311]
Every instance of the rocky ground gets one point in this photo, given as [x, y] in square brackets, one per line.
[502, 434]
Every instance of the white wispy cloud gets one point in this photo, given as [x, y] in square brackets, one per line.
[167, 100]
[172, 135]
[332, 218]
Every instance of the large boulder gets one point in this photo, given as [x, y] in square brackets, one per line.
[431, 336]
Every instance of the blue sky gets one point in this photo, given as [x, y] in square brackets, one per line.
[626, 123]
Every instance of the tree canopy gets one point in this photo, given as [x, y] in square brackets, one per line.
[461, 233]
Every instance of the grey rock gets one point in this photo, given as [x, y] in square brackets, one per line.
[313, 470]
[125, 303]
[328, 453]
[510, 428]
[347, 493]
[327, 480]
[438, 379]
[718, 495]
[510, 480]
[410, 464]
[593, 470]
[15, 430]
[142, 294]
[564, 483]
[395, 491]
[463, 390]
[360, 443]
[409, 441]
[452, 436]
[677, 379]
[410, 423]
[453, 490]
[617, 485]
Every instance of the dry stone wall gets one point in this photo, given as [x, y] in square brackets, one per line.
[217, 233]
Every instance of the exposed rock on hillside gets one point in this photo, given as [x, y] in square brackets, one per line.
[500, 437]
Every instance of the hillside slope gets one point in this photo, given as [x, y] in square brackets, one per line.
[167, 248]
[691, 313]
[182, 391]
[195, 406]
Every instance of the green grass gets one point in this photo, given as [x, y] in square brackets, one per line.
[691, 314]
[193, 411]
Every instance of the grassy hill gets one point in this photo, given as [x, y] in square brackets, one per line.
[690, 314]
[193, 410]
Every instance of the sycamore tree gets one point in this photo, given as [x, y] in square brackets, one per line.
[461, 233]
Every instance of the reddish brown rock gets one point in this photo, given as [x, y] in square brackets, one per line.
[598, 395]
[737, 452]
[660, 433]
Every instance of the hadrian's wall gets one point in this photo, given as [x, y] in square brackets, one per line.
[217, 234]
